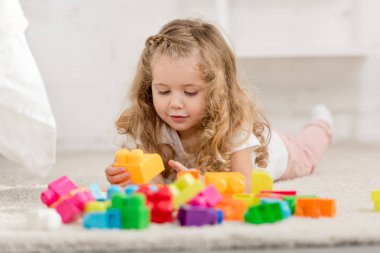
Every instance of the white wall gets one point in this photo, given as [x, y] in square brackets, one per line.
[297, 52]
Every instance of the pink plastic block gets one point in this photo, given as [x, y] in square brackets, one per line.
[208, 197]
[81, 198]
[68, 210]
[56, 189]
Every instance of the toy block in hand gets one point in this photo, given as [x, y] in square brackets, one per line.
[56, 189]
[141, 167]
[261, 181]
[226, 182]
[184, 189]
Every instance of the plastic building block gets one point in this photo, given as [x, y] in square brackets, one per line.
[286, 193]
[292, 200]
[95, 220]
[142, 167]
[68, 210]
[233, 209]
[375, 196]
[208, 197]
[184, 189]
[137, 214]
[56, 189]
[112, 190]
[307, 208]
[96, 192]
[194, 172]
[264, 213]
[249, 199]
[270, 196]
[95, 206]
[162, 206]
[328, 207]
[114, 218]
[314, 207]
[197, 216]
[226, 182]
[261, 181]
[44, 219]
[285, 208]
[81, 198]
[220, 215]
[130, 189]
[102, 220]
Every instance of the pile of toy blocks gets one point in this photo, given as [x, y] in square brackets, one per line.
[189, 201]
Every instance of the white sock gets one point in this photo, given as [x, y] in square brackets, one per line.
[321, 112]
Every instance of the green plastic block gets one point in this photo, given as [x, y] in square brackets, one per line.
[264, 213]
[137, 214]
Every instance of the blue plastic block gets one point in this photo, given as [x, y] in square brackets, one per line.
[114, 218]
[95, 220]
[96, 192]
[220, 216]
[130, 189]
[112, 190]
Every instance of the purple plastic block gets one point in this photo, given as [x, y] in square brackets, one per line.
[56, 189]
[197, 216]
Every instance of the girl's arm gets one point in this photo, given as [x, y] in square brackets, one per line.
[241, 161]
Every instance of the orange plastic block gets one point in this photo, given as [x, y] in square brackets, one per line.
[142, 167]
[226, 182]
[328, 207]
[194, 172]
[307, 208]
[233, 209]
[315, 207]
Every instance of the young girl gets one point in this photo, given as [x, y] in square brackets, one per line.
[188, 106]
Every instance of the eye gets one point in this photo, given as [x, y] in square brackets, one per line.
[191, 93]
[164, 92]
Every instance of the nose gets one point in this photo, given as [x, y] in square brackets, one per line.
[176, 101]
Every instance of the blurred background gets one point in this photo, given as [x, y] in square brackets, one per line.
[291, 55]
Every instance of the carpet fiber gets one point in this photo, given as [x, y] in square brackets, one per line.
[348, 173]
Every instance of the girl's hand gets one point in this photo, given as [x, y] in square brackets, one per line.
[176, 165]
[118, 176]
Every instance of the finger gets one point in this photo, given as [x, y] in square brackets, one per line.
[112, 171]
[119, 178]
[176, 165]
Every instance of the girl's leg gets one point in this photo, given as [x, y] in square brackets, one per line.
[306, 149]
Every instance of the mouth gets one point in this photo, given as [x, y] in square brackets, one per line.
[178, 118]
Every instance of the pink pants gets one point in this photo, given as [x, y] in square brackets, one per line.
[306, 149]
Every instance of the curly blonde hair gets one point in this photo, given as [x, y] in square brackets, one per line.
[228, 107]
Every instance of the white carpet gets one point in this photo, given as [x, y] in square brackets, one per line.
[348, 173]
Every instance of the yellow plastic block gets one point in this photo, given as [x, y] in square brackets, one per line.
[261, 181]
[184, 189]
[249, 199]
[142, 167]
[377, 206]
[375, 195]
[95, 206]
[226, 182]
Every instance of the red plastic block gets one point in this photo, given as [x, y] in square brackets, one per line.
[287, 193]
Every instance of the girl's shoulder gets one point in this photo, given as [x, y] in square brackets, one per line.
[243, 138]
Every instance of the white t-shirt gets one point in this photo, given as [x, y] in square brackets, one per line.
[277, 152]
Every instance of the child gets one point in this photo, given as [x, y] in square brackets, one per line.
[188, 106]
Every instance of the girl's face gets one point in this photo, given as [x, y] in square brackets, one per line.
[179, 93]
